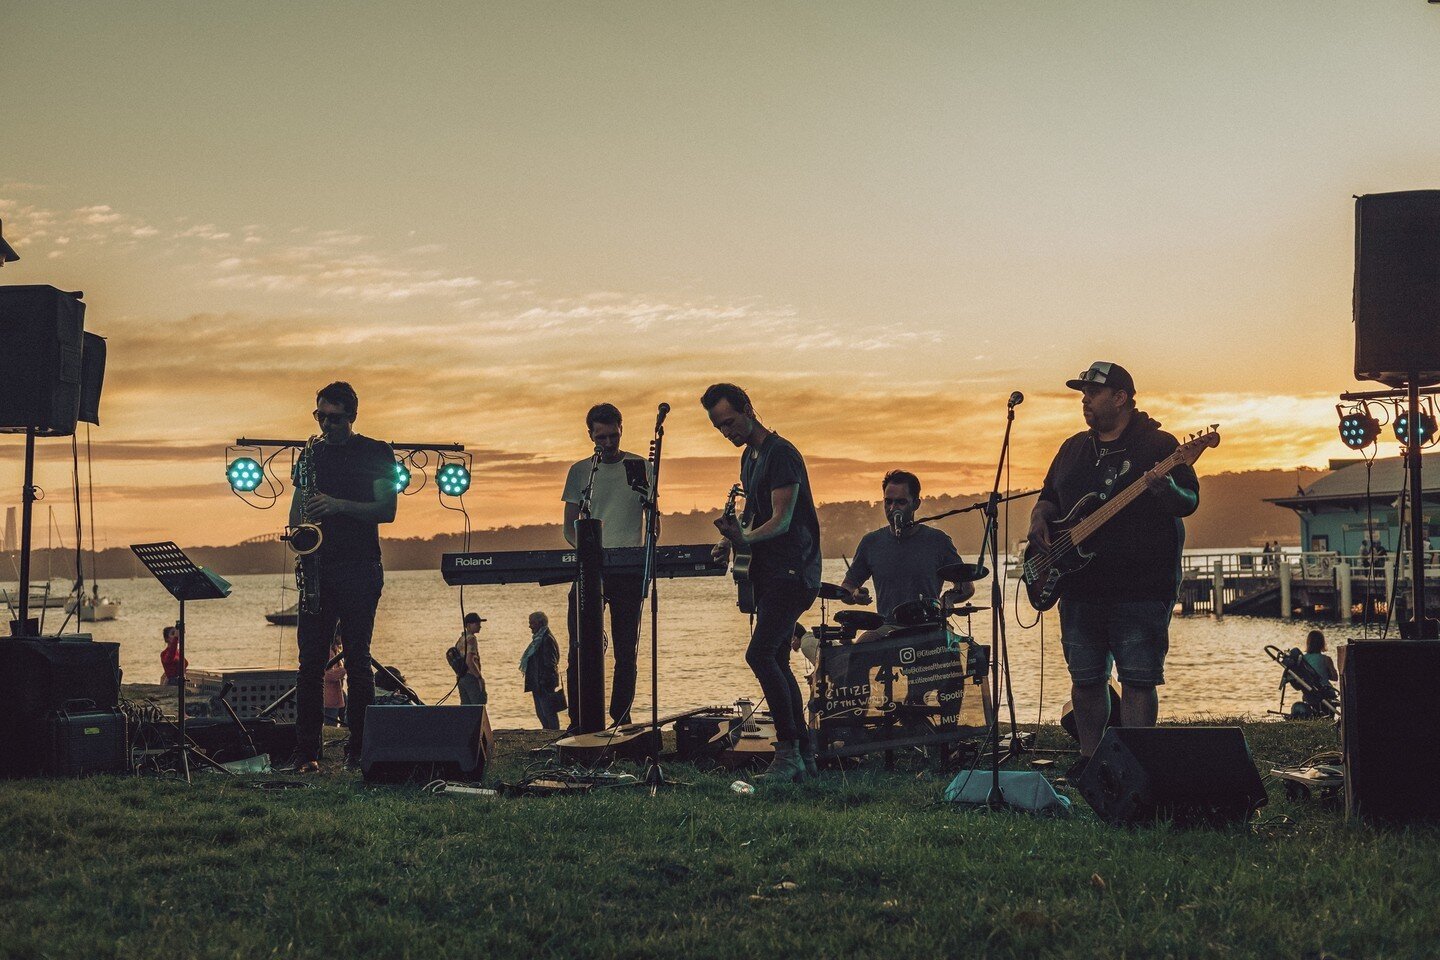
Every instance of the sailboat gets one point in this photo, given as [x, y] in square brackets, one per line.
[286, 616]
[93, 606]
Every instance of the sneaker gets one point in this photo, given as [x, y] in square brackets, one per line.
[299, 763]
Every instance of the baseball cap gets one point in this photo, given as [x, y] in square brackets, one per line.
[1104, 374]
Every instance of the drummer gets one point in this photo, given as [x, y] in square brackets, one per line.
[903, 557]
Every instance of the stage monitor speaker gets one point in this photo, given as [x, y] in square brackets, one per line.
[43, 675]
[1397, 287]
[1193, 776]
[404, 743]
[1391, 725]
[42, 365]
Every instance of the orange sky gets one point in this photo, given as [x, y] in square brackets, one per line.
[880, 224]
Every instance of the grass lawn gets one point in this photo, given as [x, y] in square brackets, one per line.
[865, 863]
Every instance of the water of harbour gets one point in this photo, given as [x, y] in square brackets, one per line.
[1215, 669]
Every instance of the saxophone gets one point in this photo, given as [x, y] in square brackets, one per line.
[305, 537]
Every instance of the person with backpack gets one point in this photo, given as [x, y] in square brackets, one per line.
[464, 658]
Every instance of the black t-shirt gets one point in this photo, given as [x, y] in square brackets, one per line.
[794, 555]
[349, 471]
[903, 568]
[1137, 554]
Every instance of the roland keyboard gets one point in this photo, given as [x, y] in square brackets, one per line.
[560, 566]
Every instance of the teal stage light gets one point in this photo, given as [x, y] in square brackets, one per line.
[1358, 430]
[1426, 433]
[453, 479]
[244, 474]
[402, 476]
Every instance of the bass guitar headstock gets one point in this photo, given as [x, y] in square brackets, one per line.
[1197, 443]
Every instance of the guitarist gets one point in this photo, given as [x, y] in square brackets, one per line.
[782, 531]
[1118, 607]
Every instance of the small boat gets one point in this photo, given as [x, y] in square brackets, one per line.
[42, 596]
[93, 607]
[289, 617]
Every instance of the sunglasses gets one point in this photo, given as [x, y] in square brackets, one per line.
[1095, 375]
[332, 417]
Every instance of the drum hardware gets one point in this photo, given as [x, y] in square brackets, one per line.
[860, 619]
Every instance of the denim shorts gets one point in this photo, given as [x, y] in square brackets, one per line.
[1135, 634]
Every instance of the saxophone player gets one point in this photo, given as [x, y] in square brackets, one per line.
[345, 485]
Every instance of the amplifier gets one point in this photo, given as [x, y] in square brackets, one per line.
[750, 741]
[75, 744]
[43, 675]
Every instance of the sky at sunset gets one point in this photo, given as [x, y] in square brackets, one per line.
[878, 218]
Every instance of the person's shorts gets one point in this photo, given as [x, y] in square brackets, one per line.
[1134, 634]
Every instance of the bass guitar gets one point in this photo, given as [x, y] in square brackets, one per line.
[740, 560]
[1045, 570]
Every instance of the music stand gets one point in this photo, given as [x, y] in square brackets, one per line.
[179, 575]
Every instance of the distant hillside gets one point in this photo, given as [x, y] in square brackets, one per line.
[1232, 514]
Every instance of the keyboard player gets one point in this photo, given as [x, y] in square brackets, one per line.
[617, 498]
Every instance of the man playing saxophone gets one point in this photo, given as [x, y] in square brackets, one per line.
[345, 485]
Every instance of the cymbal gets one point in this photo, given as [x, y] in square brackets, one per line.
[832, 591]
[963, 572]
[963, 611]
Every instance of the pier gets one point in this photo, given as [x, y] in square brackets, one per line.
[1311, 585]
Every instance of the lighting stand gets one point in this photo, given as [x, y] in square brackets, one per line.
[1420, 626]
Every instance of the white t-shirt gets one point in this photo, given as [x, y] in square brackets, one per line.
[617, 499]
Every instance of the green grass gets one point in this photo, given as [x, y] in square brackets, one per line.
[119, 867]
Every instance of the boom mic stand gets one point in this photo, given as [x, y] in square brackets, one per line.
[996, 800]
[654, 776]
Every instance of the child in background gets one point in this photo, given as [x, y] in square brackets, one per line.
[170, 657]
[335, 684]
[1317, 658]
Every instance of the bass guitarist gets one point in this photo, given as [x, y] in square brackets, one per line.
[1117, 607]
[782, 531]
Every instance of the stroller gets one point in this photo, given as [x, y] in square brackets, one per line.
[1318, 696]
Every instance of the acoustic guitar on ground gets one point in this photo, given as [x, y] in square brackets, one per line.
[1046, 569]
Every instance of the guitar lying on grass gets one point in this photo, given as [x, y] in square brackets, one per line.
[1046, 569]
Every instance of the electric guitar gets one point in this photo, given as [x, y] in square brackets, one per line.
[1046, 569]
[741, 556]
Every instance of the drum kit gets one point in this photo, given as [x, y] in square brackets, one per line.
[852, 625]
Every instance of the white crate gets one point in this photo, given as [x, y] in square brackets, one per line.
[253, 689]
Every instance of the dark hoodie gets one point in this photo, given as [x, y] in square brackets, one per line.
[1137, 554]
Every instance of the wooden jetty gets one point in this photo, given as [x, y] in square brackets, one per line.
[1312, 585]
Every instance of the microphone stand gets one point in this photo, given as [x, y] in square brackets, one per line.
[654, 776]
[996, 799]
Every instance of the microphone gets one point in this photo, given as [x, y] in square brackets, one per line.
[897, 523]
[660, 416]
[1016, 399]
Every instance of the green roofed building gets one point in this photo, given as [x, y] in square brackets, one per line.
[1336, 511]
